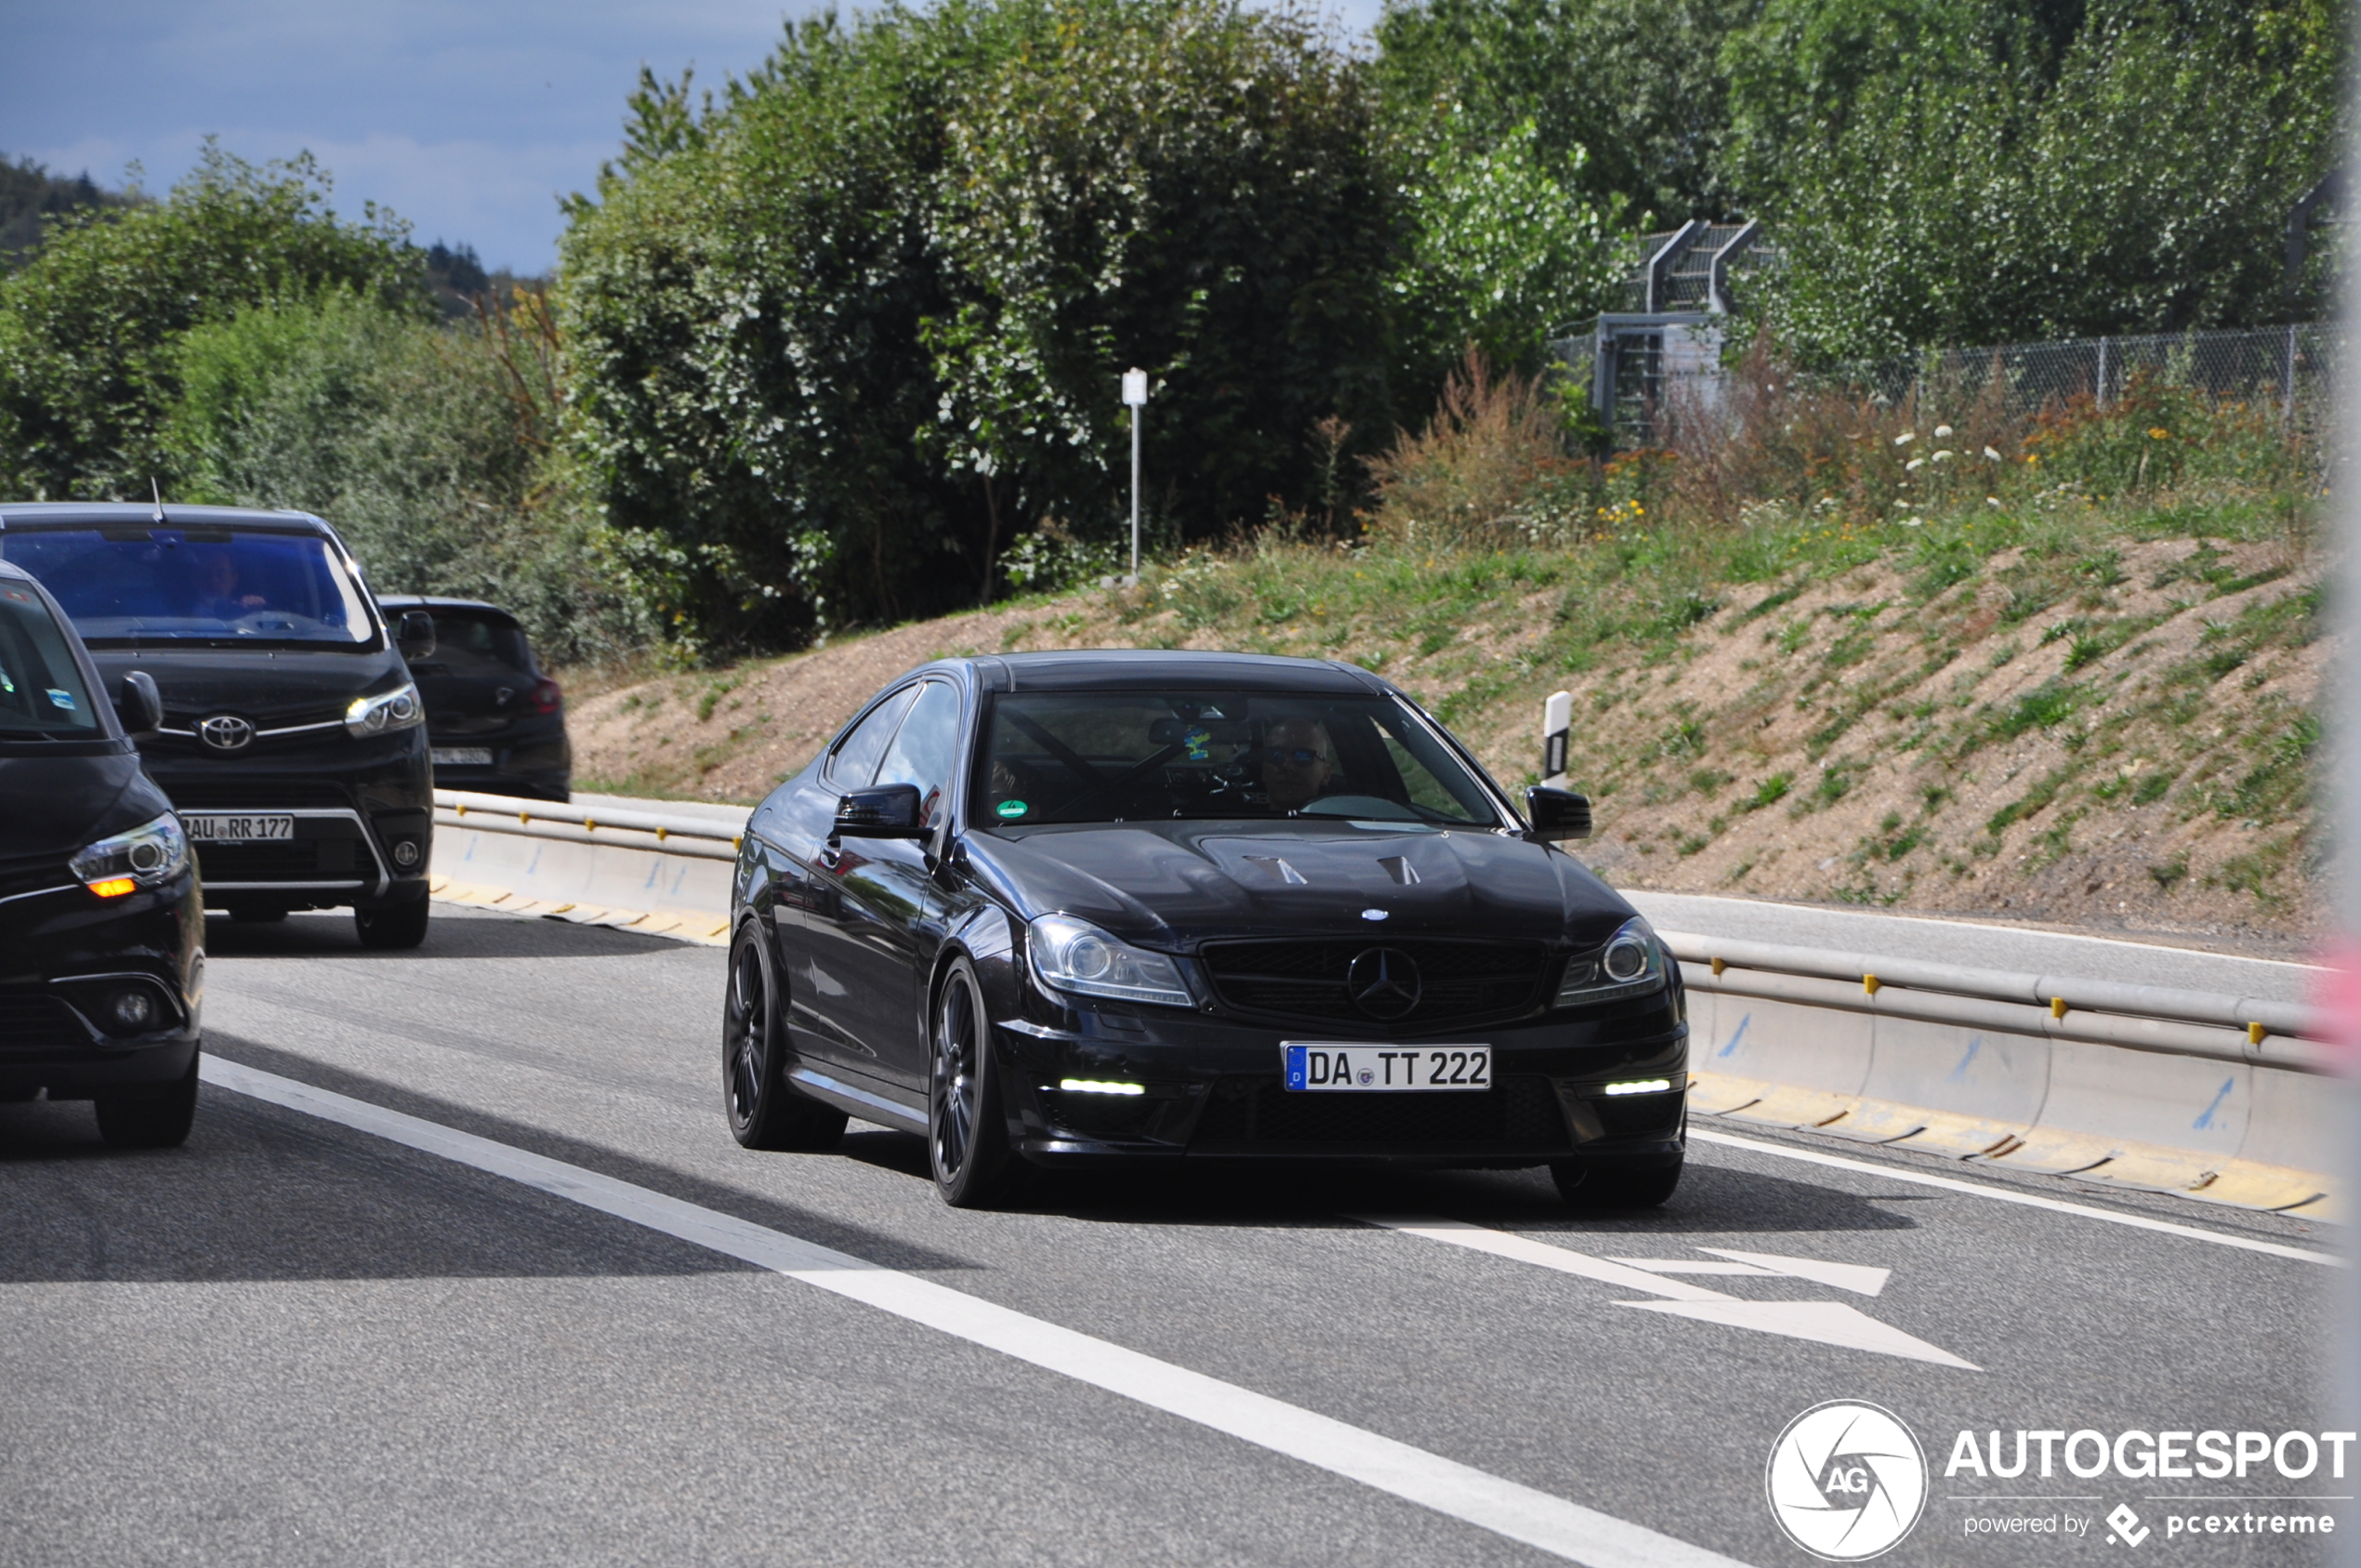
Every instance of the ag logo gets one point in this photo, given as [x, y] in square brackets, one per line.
[1846, 1480]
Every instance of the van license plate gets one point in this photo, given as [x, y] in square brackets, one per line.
[1321, 1066]
[238, 830]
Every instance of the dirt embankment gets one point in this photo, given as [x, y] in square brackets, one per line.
[2121, 741]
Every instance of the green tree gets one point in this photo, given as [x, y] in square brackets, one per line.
[87, 329]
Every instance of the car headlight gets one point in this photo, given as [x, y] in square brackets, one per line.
[149, 855]
[1075, 955]
[1631, 963]
[388, 711]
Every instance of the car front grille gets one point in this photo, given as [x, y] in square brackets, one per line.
[251, 794]
[1521, 1113]
[33, 1021]
[1459, 982]
[287, 860]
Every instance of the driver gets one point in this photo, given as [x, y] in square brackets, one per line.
[217, 594]
[1295, 769]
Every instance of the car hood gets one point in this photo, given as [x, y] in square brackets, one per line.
[1171, 885]
[265, 685]
[52, 806]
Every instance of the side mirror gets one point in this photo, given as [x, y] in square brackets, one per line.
[1557, 815]
[887, 812]
[137, 705]
[415, 634]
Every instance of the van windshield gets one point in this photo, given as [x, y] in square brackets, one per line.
[203, 585]
[43, 696]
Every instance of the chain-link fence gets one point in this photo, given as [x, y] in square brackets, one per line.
[2289, 369]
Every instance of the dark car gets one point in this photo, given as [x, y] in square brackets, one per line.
[495, 722]
[1085, 908]
[292, 743]
[101, 925]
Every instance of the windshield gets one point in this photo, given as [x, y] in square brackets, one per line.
[1132, 755]
[41, 695]
[170, 584]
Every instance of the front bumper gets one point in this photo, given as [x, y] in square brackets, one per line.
[64, 952]
[1210, 1088]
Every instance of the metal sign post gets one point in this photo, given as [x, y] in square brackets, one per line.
[1135, 396]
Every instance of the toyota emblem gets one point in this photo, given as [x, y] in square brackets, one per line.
[225, 731]
[1383, 982]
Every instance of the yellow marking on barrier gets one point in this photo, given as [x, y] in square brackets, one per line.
[2255, 1032]
[461, 809]
[660, 836]
[738, 841]
[1869, 984]
[2057, 1006]
[559, 910]
[589, 824]
[1719, 965]
[525, 817]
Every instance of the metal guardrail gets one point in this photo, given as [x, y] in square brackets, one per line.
[665, 831]
[2148, 1017]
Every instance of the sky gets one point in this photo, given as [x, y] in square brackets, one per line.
[469, 120]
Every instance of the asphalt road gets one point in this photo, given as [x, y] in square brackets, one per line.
[488, 1299]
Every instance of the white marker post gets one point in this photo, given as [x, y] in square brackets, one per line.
[1135, 396]
[1557, 721]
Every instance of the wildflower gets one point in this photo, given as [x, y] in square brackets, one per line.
[2033, 458]
[1943, 432]
[1942, 457]
[1991, 500]
[1914, 464]
[1992, 455]
[1906, 437]
[2159, 433]
[1914, 522]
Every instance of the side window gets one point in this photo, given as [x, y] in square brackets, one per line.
[855, 762]
[926, 749]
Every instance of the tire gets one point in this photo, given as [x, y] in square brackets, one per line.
[394, 926]
[1603, 1187]
[149, 1120]
[966, 1131]
[764, 1111]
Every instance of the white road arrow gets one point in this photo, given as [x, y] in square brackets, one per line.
[1827, 1323]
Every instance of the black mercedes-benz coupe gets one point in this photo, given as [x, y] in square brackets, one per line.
[101, 924]
[495, 722]
[293, 743]
[1075, 908]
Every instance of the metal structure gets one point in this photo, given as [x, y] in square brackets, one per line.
[1669, 331]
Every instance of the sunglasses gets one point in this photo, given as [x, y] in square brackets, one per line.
[1299, 756]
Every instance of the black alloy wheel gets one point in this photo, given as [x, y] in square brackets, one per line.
[394, 926]
[149, 1118]
[967, 1133]
[1604, 1187]
[764, 1112]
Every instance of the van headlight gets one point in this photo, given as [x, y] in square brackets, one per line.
[147, 856]
[1075, 955]
[385, 712]
[1631, 963]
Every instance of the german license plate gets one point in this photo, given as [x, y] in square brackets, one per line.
[1321, 1066]
[210, 829]
[461, 756]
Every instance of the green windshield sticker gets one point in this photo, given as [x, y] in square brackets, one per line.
[1012, 809]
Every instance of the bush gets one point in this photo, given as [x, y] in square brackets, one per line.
[1487, 470]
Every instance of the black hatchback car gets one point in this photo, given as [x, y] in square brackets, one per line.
[293, 742]
[1084, 908]
[101, 925]
[495, 722]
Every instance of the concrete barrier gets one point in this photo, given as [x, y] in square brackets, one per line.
[632, 869]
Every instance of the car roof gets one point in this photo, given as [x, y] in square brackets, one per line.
[48, 513]
[1136, 669]
[429, 601]
[11, 569]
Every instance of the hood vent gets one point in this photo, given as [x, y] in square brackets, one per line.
[1278, 870]
[1404, 875]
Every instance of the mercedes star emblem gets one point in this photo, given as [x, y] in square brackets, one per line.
[1383, 982]
[225, 731]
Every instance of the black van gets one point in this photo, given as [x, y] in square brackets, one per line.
[102, 923]
[293, 741]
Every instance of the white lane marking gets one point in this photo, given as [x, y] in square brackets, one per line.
[1698, 1266]
[1520, 1513]
[1862, 1279]
[1828, 1322]
[2028, 1200]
